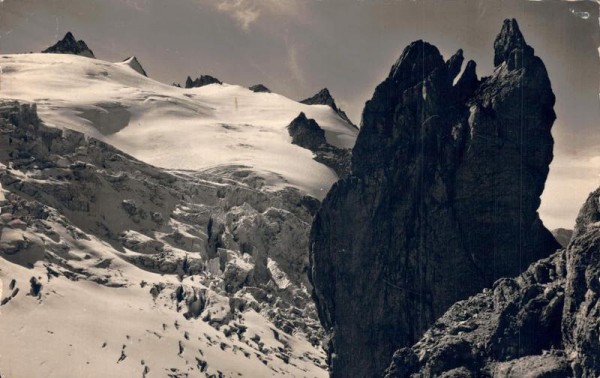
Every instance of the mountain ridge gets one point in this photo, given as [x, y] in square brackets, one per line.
[69, 45]
[429, 213]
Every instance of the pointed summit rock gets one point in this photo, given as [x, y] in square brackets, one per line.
[69, 45]
[442, 200]
[510, 45]
[468, 82]
[323, 97]
[306, 133]
[134, 64]
[201, 81]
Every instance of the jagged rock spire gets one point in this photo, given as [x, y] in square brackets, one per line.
[201, 81]
[442, 199]
[510, 44]
[69, 45]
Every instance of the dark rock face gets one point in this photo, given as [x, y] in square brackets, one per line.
[308, 134]
[69, 45]
[259, 88]
[503, 329]
[442, 199]
[542, 324]
[201, 81]
[338, 159]
[582, 304]
[323, 97]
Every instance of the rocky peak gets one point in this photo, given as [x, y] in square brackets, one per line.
[436, 207]
[468, 82]
[201, 81]
[135, 65]
[510, 44]
[69, 45]
[324, 97]
[454, 64]
[417, 61]
[306, 133]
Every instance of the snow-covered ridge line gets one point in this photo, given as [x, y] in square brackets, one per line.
[196, 129]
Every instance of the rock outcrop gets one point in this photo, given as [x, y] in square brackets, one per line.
[323, 97]
[133, 63]
[259, 88]
[543, 323]
[69, 45]
[308, 134]
[581, 315]
[201, 81]
[442, 200]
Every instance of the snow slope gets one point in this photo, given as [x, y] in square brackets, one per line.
[216, 126]
[78, 328]
[110, 267]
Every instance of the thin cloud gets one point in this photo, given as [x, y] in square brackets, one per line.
[242, 11]
[294, 66]
[247, 12]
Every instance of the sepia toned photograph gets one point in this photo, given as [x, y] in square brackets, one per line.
[300, 188]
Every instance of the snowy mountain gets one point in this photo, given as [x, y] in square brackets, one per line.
[112, 267]
[224, 127]
[149, 230]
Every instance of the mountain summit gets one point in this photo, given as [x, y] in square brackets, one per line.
[69, 45]
[442, 200]
[133, 63]
[201, 81]
[324, 97]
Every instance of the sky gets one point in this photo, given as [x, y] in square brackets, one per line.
[297, 47]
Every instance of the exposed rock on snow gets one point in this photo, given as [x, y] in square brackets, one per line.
[323, 97]
[436, 208]
[134, 64]
[543, 323]
[201, 81]
[259, 88]
[69, 45]
[101, 238]
[308, 134]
